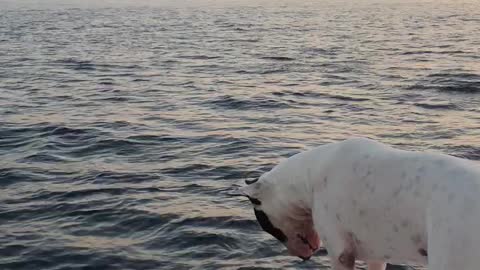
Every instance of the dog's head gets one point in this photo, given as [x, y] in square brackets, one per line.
[281, 216]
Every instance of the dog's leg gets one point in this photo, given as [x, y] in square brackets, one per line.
[376, 265]
[343, 253]
[340, 245]
[346, 261]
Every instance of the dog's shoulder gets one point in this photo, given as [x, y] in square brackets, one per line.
[362, 143]
[358, 147]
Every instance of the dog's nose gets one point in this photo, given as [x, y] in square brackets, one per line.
[305, 258]
[322, 252]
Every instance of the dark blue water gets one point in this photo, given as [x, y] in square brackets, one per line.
[123, 124]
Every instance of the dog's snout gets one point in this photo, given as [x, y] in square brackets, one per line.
[305, 258]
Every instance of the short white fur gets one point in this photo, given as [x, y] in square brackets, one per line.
[377, 204]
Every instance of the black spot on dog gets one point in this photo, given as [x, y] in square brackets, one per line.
[423, 252]
[254, 201]
[267, 226]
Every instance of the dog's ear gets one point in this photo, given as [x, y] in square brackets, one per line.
[236, 191]
[252, 190]
[246, 191]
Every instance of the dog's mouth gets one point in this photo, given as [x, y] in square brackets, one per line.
[305, 258]
[305, 241]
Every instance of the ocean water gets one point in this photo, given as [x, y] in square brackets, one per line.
[123, 124]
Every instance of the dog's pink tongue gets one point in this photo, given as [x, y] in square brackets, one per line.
[316, 245]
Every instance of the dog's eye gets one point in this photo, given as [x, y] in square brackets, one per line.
[255, 201]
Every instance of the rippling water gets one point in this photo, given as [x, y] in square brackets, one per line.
[122, 125]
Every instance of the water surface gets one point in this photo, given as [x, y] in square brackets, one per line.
[123, 124]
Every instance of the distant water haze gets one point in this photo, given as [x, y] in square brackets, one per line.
[124, 123]
[215, 3]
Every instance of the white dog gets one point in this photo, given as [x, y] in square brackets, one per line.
[367, 201]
